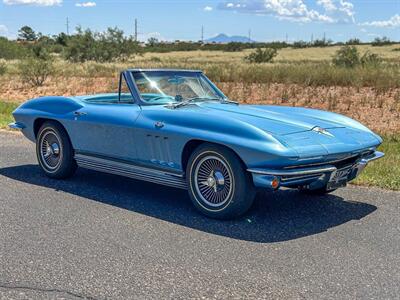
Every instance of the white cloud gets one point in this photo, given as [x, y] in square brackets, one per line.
[391, 23]
[86, 4]
[33, 2]
[333, 11]
[339, 10]
[3, 30]
[143, 37]
[208, 8]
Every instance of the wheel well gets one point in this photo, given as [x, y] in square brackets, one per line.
[40, 121]
[188, 150]
[193, 144]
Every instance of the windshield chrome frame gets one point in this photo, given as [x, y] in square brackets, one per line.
[130, 80]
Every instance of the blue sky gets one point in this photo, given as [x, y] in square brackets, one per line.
[268, 20]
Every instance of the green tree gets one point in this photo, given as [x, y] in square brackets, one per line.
[152, 42]
[26, 33]
[353, 41]
[105, 46]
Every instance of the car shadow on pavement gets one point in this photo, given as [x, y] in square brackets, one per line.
[274, 217]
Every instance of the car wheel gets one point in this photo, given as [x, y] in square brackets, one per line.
[54, 151]
[219, 185]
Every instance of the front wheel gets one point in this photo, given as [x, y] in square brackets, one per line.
[54, 151]
[219, 185]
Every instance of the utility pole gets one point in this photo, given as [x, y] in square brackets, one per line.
[286, 38]
[324, 36]
[202, 34]
[312, 37]
[249, 35]
[67, 26]
[136, 31]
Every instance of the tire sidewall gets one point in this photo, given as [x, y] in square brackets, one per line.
[47, 127]
[67, 165]
[243, 190]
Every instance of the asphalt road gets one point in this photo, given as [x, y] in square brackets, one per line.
[100, 236]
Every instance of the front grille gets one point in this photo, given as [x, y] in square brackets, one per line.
[339, 164]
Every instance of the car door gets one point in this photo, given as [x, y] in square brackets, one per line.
[105, 126]
[107, 130]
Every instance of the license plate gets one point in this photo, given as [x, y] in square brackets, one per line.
[338, 179]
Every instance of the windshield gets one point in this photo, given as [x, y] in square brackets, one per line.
[163, 87]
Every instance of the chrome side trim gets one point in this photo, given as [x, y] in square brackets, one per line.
[16, 125]
[132, 171]
[293, 172]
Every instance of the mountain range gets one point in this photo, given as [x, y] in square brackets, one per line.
[224, 39]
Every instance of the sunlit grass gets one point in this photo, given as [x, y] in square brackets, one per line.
[6, 110]
[384, 173]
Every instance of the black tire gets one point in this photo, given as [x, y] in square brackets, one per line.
[54, 151]
[231, 192]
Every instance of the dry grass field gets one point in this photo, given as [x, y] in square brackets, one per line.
[298, 77]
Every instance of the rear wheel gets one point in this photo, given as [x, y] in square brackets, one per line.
[219, 185]
[54, 151]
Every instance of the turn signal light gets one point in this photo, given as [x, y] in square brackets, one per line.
[275, 183]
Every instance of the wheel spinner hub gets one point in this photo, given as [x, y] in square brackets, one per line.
[213, 181]
[50, 150]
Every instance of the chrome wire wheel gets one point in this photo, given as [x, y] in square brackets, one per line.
[213, 181]
[50, 150]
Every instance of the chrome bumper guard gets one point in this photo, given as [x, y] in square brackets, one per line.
[16, 125]
[262, 177]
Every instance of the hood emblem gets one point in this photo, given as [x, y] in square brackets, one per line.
[322, 131]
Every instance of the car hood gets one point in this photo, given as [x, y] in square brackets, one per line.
[274, 119]
[296, 127]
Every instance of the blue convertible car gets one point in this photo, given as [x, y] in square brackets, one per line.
[176, 128]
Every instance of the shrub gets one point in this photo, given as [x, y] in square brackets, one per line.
[262, 56]
[11, 49]
[347, 56]
[35, 71]
[321, 43]
[3, 68]
[234, 47]
[300, 44]
[354, 41]
[370, 59]
[381, 41]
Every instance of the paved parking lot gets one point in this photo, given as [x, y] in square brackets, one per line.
[100, 236]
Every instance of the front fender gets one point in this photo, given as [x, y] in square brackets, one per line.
[253, 145]
[53, 108]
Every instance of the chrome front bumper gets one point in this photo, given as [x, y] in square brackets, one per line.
[314, 176]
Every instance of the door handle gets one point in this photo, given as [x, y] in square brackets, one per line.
[159, 124]
[80, 113]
